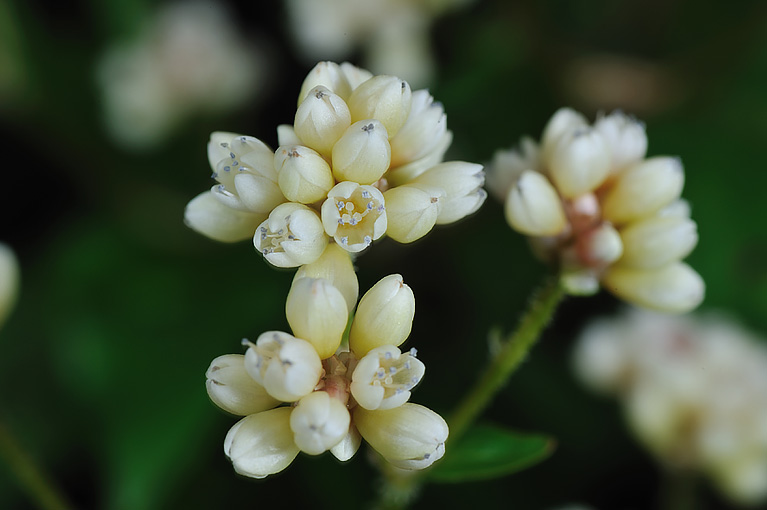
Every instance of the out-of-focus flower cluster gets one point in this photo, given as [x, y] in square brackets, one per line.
[694, 391]
[9, 281]
[593, 204]
[187, 60]
[394, 34]
[362, 159]
[308, 392]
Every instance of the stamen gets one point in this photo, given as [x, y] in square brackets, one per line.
[232, 155]
[413, 352]
[365, 194]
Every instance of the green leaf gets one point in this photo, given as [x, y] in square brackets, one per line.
[488, 451]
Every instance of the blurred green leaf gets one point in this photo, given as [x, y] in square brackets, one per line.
[488, 451]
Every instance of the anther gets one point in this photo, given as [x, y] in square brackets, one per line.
[231, 155]
[413, 352]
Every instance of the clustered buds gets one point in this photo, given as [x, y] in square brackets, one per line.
[310, 392]
[363, 159]
[594, 205]
[694, 390]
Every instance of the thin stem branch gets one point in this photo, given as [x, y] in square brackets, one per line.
[511, 355]
[31, 478]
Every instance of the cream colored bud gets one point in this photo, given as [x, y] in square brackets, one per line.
[384, 316]
[534, 208]
[579, 162]
[292, 235]
[625, 136]
[319, 422]
[407, 172]
[657, 241]
[9, 281]
[239, 154]
[258, 193]
[287, 367]
[563, 121]
[462, 183]
[348, 445]
[644, 189]
[329, 75]
[422, 132]
[507, 166]
[321, 120]
[286, 135]
[354, 215]
[674, 288]
[232, 389]
[354, 75]
[579, 281]
[317, 312]
[206, 215]
[362, 154]
[334, 265]
[384, 98]
[600, 246]
[304, 176]
[677, 209]
[261, 444]
[602, 359]
[412, 211]
[409, 436]
[384, 377]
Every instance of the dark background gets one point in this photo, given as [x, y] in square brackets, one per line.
[122, 307]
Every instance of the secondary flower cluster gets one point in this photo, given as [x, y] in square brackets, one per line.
[306, 392]
[694, 390]
[362, 159]
[593, 204]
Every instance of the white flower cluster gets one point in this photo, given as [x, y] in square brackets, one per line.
[362, 159]
[593, 204]
[393, 34]
[694, 390]
[305, 392]
[9, 281]
[187, 59]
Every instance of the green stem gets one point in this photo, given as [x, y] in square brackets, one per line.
[511, 354]
[400, 490]
[38, 487]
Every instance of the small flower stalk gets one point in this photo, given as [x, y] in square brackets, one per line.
[593, 204]
[694, 390]
[362, 160]
[310, 392]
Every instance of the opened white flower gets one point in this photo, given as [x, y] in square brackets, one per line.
[592, 204]
[694, 390]
[335, 397]
[358, 141]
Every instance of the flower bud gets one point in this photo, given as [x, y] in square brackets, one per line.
[261, 444]
[319, 423]
[286, 135]
[625, 136]
[321, 120]
[229, 158]
[422, 132]
[384, 377]
[534, 208]
[563, 121]
[317, 312]
[9, 281]
[599, 246]
[258, 193]
[508, 165]
[602, 359]
[644, 189]
[354, 215]
[384, 98]
[579, 162]
[354, 75]
[384, 316]
[348, 445]
[675, 288]
[232, 389]
[329, 75]
[334, 265]
[412, 211]
[292, 235]
[362, 154]
[658, 241]
[209, 217]
[462, 183]
[406, 173]
[409, 436]
[287, 367]
[304, 176]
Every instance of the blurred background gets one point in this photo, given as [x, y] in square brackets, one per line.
[105, 112]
